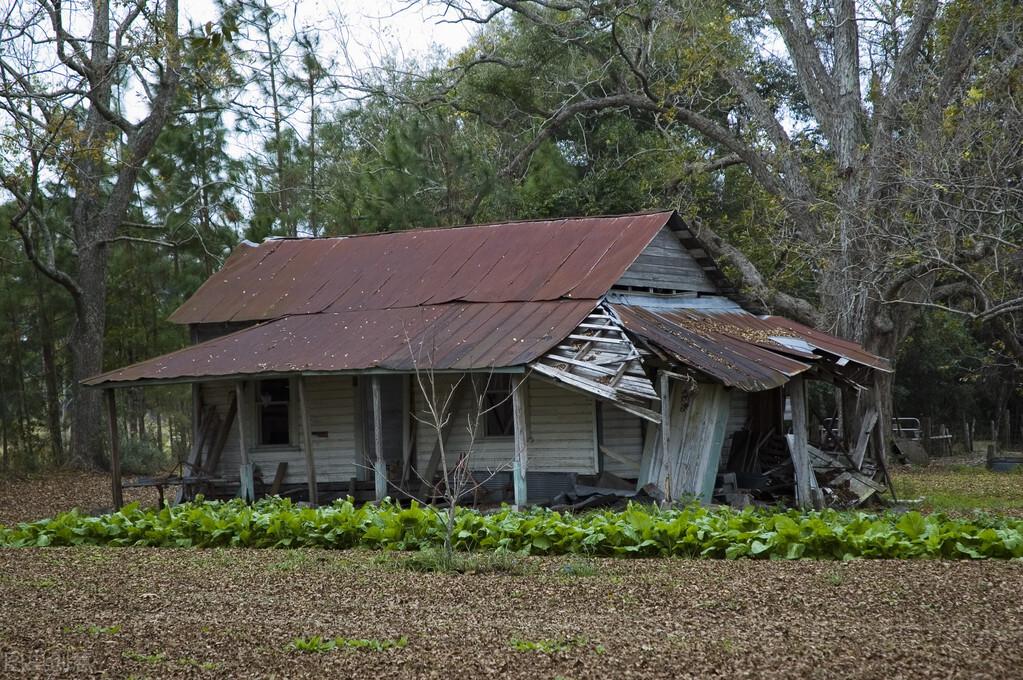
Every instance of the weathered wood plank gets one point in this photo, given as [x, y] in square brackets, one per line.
[521, 459]
[307, 442]
[209, 467]
[799, 452]
[379, 465]
[863, 439]
[246, 487]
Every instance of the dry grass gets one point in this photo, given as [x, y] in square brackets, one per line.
[217, 613]
[959, 489]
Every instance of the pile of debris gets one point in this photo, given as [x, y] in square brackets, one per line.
[760, 472]
[606, 491]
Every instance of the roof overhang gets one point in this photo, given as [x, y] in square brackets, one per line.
[453, 337]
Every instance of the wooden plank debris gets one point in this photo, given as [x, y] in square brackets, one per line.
[863, 439]
[599, 359]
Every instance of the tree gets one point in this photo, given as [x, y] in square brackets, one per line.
[277, 174]
[886, 134]
[64, 96]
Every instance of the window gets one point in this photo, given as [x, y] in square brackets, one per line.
[273, 401]
[500, 420]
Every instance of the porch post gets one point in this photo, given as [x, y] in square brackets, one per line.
[664, 464]
[246, 482]
[307, 443]
[115, 452]
[379, 465]
[406, 431]
[520, 461]
[800, 454]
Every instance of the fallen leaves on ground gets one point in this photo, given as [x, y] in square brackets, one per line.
[217, 613]
[27, 498]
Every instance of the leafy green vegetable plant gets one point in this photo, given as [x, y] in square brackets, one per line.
[638, 531]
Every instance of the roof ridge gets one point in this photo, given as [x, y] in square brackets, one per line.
[480, 225]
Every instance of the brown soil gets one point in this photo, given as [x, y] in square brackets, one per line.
[217, 613]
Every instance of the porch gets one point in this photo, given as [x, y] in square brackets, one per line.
[370, 435]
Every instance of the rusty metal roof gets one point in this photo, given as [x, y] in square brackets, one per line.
[732, 361]
[454, 336]
[739, 349]
[774, 333]
[578, 258]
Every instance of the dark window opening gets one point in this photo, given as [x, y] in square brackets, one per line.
[500, 419]
[273, 399]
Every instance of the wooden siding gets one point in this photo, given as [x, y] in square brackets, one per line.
[561, 428]
[623, 434]
[666, 264]
[331, 404]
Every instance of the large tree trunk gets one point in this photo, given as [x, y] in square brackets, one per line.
[87, 432]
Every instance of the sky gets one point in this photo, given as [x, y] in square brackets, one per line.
[373, 29]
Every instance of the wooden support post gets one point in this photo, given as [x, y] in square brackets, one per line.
[598, 427]
[520, 462]
[115, 452]
[307, 442]
[407, 428]
[661, 463]
[379, 465]
[196, 411]
[800, 454]
[245, 472]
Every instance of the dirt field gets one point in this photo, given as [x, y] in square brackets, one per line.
[216, 613]
[154, 613]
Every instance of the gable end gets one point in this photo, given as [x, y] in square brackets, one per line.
[666, 264]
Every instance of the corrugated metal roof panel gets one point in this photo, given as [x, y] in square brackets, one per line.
[512, 262]
[740, 349]
[732, 361]
[763, 331]
[456, 336]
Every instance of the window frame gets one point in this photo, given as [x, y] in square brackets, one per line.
[499, 385]
[257, 410]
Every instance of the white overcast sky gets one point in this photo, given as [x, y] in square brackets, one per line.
[375, 29]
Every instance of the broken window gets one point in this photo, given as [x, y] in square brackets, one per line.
[500, 420]
[273, 403]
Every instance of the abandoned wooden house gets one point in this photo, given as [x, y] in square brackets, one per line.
[609, 345]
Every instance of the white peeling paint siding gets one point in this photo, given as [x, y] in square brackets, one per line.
[561, 428]
[331, 411]
[623, 434]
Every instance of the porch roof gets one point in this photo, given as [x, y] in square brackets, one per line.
[456, 336]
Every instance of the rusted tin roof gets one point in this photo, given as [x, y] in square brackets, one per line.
[777, 333]
[454, 336]
[578, 258]
[732, 361]
[741, 350]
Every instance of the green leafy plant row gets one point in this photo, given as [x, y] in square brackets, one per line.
[638, 531]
